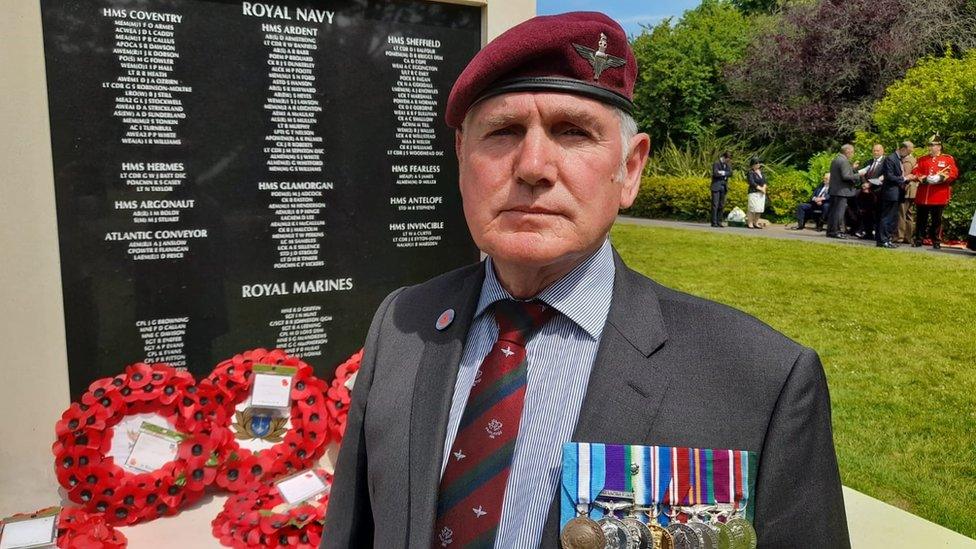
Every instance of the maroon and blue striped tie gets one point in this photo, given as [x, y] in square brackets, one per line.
[469, 506]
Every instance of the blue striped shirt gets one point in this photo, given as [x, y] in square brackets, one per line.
[560, 357]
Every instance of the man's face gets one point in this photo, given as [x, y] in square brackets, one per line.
[877, 151]
[849, 153]
[935, 149]
[541, 178]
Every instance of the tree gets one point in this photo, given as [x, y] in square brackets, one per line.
[810, 80]
[750, 7]
[679, 86]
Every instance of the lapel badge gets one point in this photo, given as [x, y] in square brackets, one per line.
[600, 60]
[445, 320]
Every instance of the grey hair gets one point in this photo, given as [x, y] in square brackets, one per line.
[628, 130]
[907, 145]
[846, 148]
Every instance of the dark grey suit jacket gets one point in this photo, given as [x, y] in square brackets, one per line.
[894, 178]
[721, 172]
[671, 369]
[844, 181]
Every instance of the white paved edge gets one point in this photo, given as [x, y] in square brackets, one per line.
[876, 524]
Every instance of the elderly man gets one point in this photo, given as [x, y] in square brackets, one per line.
[817, 207]
[472, 382]
[844, 182]
[906, 213]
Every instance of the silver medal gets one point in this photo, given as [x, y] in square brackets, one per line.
[685, 537]
[640, 534]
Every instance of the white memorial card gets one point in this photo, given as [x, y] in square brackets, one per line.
[37, 532]
[301, 487]
[272, 386]
[154, 448]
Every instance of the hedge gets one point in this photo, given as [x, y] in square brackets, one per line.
[690, 198]
[959, 213]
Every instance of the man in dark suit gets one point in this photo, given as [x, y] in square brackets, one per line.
[721, 171]
[892, 185]
[868, 201]
[472, 382]
[818, 207]
[844, 182]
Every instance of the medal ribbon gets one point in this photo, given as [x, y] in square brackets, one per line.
[571, 474]
[643, 490]
[662, 477]
[750, 473]
[583, 478]
[709, 476]
[684, 476]
[583, 469]
[598, 470]
[617, 468]
[721, 474]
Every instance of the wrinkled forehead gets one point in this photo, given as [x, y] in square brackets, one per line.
[541, 107]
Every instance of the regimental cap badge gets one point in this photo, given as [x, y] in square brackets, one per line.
[599, 59]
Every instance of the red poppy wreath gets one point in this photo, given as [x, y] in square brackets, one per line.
[261, 517]
[80, 530]
[139, 445]
[340, 393]
[77, 529]
[267, 443]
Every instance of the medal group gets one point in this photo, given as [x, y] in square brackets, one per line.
[656, 497]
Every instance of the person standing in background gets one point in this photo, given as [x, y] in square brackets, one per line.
[872, 174]
[757, 193]
[843, 185]
[936, 173]
[971, 241]
[892, 182]
[721, 171]
[906, 212]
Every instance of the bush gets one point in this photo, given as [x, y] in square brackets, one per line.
[690, 198]
[959, 212]
[787, 188]
[695, 158]
[686, 198]
[818, 165]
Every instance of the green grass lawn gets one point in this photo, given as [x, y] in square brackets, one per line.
[900, 351]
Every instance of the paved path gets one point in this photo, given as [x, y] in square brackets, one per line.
[780, 232]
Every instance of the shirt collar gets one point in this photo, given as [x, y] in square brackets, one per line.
[583, 295]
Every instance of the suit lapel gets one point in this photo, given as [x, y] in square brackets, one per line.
[433, 392]
[628, 380]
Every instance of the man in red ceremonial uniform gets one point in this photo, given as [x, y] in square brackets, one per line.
[936, 173]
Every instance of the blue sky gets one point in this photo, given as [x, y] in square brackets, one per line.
[629, 13]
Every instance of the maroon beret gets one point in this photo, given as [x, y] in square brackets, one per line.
[583, 53]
